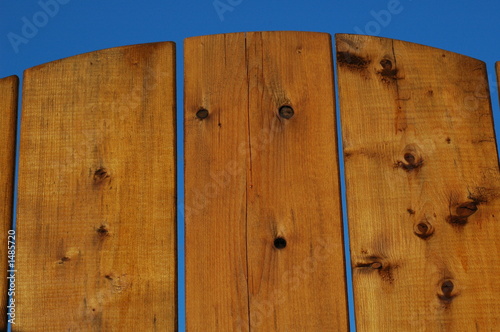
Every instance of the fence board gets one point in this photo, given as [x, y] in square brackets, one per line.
[215, 184]
[96, 210]
[423, 186]
[8, 107]
[256, 177]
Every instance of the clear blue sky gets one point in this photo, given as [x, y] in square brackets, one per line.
[467, 27]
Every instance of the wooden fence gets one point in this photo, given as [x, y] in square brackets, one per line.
[264, 247]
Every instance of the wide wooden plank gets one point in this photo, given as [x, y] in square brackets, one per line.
[423, 186]
[263, 216]
[96, 209]
[8, 107]
[293, 185]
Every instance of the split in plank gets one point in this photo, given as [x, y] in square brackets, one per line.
[264, 247]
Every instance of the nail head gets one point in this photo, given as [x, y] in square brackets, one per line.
[286, 112]
[279, 243]
[202, 114]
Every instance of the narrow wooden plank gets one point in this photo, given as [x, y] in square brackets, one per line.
[96, 209]
[8, 107]
[257, 178]
[215, 182]
[423, 186]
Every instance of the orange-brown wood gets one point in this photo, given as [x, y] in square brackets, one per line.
[256, 177]
[8, 108]
[423, 186]
[96, 209]
[215, 182]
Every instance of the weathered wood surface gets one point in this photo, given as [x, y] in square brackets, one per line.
[96, 210]
[8, 108]
[256, 177]
[423, 186]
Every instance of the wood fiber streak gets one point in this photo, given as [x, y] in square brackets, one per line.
[256, 176]
[96, 211]
[423, 186]
[8, 109]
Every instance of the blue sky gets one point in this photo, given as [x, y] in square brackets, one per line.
[75, 26]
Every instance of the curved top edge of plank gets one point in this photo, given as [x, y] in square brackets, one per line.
[349, 36]
[12, 78]
[101, 51]
[244, 33]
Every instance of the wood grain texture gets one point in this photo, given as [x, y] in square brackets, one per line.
[8, 108]
[254, 176]
[423, 186]
[96, 210]
[215, 183]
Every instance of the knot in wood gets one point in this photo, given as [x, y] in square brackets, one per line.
[423, 229]
[386, 64]
[447, 291]
[102, 230]
[412, 158]
[101, 175]
[466, 209]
